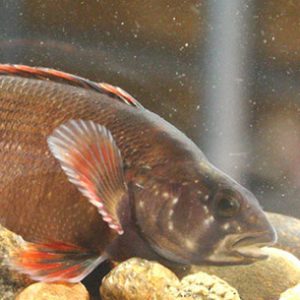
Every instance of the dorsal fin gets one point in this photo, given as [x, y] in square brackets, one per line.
[58, 76]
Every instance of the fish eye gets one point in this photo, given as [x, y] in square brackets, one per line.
[227, 206]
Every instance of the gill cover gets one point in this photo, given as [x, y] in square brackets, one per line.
[166, 221]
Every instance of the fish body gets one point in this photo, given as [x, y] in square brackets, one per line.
[158, 196]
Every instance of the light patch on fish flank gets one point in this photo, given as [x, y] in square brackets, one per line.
[174, 201]
[146, 167]
[141, 204]
[170, 225]
[205, 165]
[165, 195]
[208, 221]
[235, 226]
[205, 209]
[171, 212]
[190, 244]
[226, 226]
[139, 185]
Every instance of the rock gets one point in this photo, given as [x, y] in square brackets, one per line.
[291, 294]
[265, 279]
[54, 291]
[202, 286]
[288, 230]
[10, 282]
[138, 279]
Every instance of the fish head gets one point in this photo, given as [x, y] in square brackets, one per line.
[208, 219]
[240, 228]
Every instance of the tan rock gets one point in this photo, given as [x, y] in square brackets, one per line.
[54, 291]
[10, 282]
[291, 294]
[202, 286]
[265, 279]
[138, 279]
[288, 231]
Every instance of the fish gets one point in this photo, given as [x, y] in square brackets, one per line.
[89, 174]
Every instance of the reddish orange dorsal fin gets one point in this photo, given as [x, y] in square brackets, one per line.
[58, 76]
[55, 262]
[92, 161]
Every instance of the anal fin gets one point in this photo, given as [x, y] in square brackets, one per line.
[55, 262]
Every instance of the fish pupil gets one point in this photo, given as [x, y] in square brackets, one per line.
[227, 206]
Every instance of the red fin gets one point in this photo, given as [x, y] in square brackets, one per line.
[55, 262]
[92, 161]
[58, 76]
[120, 93]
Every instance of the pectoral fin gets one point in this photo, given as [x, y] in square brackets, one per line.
[92, 161]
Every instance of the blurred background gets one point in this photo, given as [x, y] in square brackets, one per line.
[224, 72]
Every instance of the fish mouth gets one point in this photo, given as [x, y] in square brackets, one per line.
[242, 248]
[250, 245]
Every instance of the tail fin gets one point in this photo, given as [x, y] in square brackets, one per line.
[55, 262]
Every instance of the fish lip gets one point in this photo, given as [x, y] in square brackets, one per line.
[250, 245]
[243, 248]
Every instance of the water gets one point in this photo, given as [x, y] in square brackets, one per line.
[225, 75]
